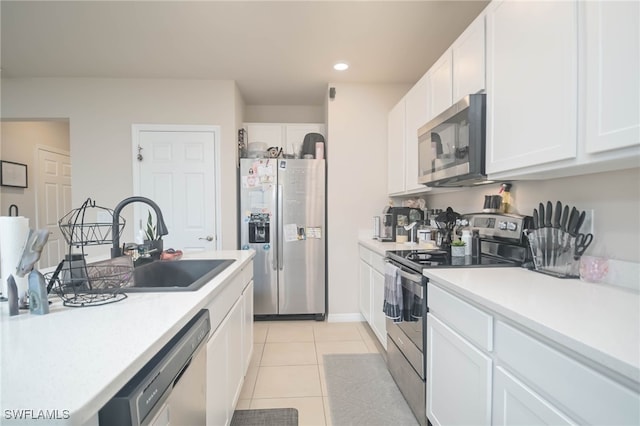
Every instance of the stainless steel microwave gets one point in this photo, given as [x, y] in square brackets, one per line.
[451, 147]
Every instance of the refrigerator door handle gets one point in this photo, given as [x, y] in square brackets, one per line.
[280, 228]
[275, 236]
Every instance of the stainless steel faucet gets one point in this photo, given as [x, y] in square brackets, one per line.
[162, 227]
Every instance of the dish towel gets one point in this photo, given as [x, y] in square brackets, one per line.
[392, 293]
[416, 309]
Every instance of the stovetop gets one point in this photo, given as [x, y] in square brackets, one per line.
[502, 243]
[421, 259]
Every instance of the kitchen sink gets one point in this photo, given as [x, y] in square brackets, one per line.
[176, 275]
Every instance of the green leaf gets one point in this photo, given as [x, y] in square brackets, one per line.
[150, 232]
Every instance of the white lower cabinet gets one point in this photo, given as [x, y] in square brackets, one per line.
[371, 292]
[523, 380]
[378, 319]
[587, 396]
[235, 362]
[364, 280]
[218, 398]
[247, 325]
[229, 348]
[516, 404]
[458, 378]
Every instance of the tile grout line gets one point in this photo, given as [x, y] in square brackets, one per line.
[324, 406]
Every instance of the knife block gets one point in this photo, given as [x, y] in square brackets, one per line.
[552, 255]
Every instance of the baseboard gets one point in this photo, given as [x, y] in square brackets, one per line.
[355, 317]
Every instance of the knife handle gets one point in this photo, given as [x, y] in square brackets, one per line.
[565, 218]
[580, 222]
[557, 214]
[573, 220]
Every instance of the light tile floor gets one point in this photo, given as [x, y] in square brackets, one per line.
[286, 367]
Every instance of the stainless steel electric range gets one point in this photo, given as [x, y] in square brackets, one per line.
[501, 243]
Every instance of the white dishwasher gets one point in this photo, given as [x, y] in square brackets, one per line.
[170, 389]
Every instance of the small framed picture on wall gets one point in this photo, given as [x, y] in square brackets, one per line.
[13, 174]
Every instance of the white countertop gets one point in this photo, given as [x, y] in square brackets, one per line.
[600, 322]
[76, 359]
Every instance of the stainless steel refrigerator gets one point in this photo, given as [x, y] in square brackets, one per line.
[282, 217]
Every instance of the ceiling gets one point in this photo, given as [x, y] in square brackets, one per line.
[279, 53]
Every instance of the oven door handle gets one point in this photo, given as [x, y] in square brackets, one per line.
[411, 277]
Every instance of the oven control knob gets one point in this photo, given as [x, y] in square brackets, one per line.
[502, 225]
[512, 226]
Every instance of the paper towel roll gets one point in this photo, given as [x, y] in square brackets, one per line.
[14, 231]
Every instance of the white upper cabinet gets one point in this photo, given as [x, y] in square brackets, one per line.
[468, 60]
[532, 68]
[288, 136]
[440, 85]
[563, 97]
[403, 123]
[612, 52]
[395, 149]
[415, 117]
[459, 72]
[295, 133]
[271, 134]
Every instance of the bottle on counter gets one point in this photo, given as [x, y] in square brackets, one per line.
[505, 191]
[475, 243]
[466, 237]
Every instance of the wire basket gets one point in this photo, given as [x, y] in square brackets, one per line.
[89, 225]
[78, 284]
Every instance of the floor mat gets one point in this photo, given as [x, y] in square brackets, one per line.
[362, 392]
[265, 417]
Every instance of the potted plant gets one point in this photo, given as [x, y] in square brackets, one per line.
[153, 240]
[457, 248]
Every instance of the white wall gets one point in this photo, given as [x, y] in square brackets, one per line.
[21, 139]
[284, 114]
[614, 197]
[357, 181]
[101, 112]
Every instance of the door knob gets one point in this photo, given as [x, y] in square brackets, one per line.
[208, 238]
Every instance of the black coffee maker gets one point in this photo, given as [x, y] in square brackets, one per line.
[398, 217]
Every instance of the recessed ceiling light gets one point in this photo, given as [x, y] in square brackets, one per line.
[341, 66]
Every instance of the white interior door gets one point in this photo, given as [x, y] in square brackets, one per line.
[177, 170]
[53, 193]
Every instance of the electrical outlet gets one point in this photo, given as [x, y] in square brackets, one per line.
[587, 225]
